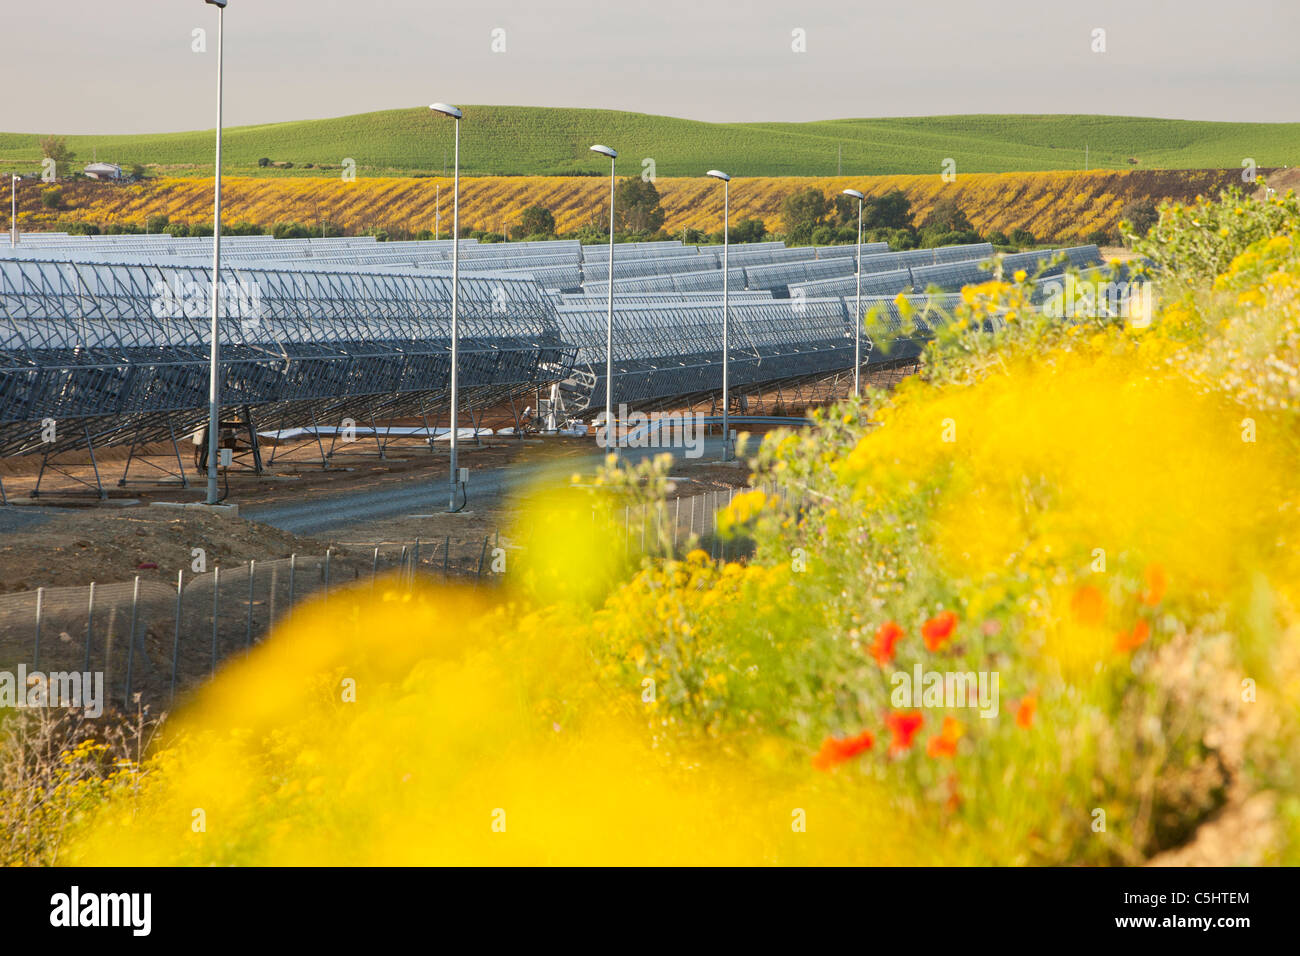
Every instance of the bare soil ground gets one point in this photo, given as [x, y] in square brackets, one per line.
[103, 544]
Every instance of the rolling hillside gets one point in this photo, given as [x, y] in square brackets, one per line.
[507, 140]
[1058, 206]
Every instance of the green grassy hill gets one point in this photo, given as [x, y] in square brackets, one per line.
[508, 140]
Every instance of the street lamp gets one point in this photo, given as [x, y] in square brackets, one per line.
[726, 351]
[857, 315]
[456, 115]
[13, 209]
[214, 368]
[609, 322]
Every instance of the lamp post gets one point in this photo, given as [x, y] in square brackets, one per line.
[609, 319]
[214, 366]
[726, 341]
[857, 313]
[13, 209]
[456, 115]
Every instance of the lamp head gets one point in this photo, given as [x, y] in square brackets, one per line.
[605, 151]
[217, 3]
[855, 194]
[446, 110]
[719, 174]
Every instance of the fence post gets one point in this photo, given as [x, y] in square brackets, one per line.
[374, 569]
[327, 570]
[481, 556]
[446, 557]
[90, 622]
[401, 575]
[36, 650]
[216, 613]
[677, 522]
[248, 626]
[293, 571]
[176, 641]
[270, 595]
[130, 641]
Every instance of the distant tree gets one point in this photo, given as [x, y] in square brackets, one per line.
[998, 238]
[748, 230]
[694, 237]
[293, 230]
[56, 148]
[636, 206]
[264, 162]
[845, 211]
[178, 229]
[947, 216]
[823, 236]
[1140, 215]
[83, 229]
[537, 220]
[52, 198]
[803, 211]
[893, 210]
[1021, 237]
[155, 224]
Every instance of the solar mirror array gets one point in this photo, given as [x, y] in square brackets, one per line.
[107, 336]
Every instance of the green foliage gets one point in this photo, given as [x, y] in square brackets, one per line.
[156, 224]
[409, 141]
[1141, 215]
[56, 148]
[636, 207]
[1196, 242]
[803, 211]
[748, 230]
[946, 216]
[52, 198]
[893, 210]
[290, 230]
[536, 221]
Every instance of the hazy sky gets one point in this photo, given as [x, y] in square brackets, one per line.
[78, 66]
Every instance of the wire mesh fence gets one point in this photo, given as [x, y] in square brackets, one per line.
[156, 639]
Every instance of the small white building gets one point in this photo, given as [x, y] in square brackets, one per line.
[103, 171]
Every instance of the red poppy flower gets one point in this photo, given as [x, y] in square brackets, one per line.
[887, 635]
[837, 750]
[903, 725]
[1136, 638]
[945, 744]
[1088, 605]
[938, 630]
[953, 803]
[1155, 591]
[1025, 711]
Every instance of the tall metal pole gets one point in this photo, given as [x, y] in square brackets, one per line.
[726, 341]
[857, 316]
[13, 210]
[214, 371]
[455, 304]
[610, 431]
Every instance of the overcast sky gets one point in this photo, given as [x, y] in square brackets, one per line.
[78, 66]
